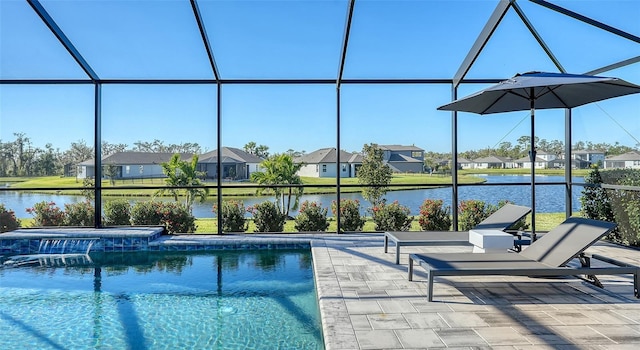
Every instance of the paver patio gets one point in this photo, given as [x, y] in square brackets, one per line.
[366, 302]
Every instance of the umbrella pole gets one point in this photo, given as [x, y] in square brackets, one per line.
[532, 157]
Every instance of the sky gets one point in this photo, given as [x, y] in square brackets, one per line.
[155, 39]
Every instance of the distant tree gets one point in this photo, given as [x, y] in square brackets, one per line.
[261, 151]
[46, 163]
[79, 152]
[158, 146]
[430, 165]
[525, 141]
[111, 172]
[181, 173]
[187, 147]
[295, 154]
[617, 149]
[87, 191]
[20, 154]
[250, 147]
[112, 148]
[280, 169]
[504, 149]
[374, 173]
[556, 147]
[543, 145]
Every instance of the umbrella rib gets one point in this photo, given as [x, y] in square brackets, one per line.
[524, 96]
[494, 102]
[552, 91]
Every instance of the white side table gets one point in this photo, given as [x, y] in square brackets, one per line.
[490, 241]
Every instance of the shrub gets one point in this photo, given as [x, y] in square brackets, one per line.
[177, 218]
[391, 217]
[46, 214]
[8, 221]
[117, 212]
[231, 216]
[147, 213]
[267, 217]
[79, 214]
[625, 205]
[312, 217]
[173, 216]
[596, 203]
[471, 213]
[350, 219]
[434, 216]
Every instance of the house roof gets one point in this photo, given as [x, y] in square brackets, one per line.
[464, 160]
[399, 148]
[403, 158]
[356, 158]
[324, 155]
[633, 155]
[492, 159]
[229, 155]
[526, 159]
[584, 151]
[140, 158]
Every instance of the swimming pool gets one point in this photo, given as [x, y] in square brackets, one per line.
[262, 299]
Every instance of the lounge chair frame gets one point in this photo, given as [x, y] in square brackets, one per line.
[515, 264]
[502, 219]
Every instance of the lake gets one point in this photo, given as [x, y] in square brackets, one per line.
[549, 198]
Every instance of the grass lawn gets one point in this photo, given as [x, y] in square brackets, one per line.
[240, 188]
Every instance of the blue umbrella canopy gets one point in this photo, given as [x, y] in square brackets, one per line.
[541, 90]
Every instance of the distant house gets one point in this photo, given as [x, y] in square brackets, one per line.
[236, 164]
[130, 165]
[525, 162]
[591, 156]
[561, 163]
[629, 160]
[546, 156]
[403, 159]
[322, 163]
[464, 163]
[493, 162]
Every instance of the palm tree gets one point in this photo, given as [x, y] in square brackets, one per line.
[280, 169]
[180, 174]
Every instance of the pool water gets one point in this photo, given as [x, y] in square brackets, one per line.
[217, 300]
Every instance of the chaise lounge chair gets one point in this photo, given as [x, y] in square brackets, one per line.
[546, 256]
[502, 219]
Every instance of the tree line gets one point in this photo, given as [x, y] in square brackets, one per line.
[21, 157]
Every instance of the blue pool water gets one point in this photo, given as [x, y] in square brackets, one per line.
[217, 300]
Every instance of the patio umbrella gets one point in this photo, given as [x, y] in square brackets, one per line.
[541, 90]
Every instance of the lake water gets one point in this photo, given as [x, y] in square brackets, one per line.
[549, 198]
